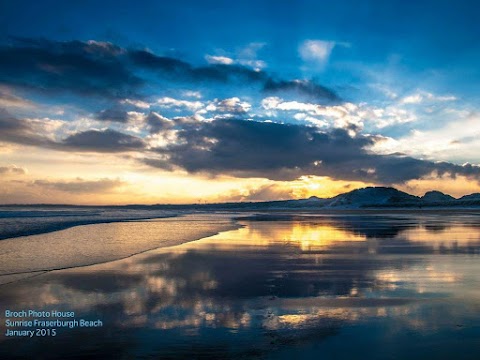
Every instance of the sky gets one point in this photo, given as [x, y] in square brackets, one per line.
[143, 102]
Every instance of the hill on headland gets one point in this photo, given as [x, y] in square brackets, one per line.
[388, 197]
[365, 198]
[369, 197]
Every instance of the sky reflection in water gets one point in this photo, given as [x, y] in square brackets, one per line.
[334, 286]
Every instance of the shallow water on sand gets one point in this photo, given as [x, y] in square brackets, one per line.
[27, 220]
[373, 286]
[97, 243]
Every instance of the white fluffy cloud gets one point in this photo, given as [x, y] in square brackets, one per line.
[231, 105]
[137, 103]
[456, 141]
[171, 102]
[342, 116]
[316, 50]
[245, 56]
[423, 96]
[211, 59]
[320, 115]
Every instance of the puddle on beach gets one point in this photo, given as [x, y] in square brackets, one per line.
[350, 286]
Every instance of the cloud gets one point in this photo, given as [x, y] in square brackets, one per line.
[113, 114]
[219, 60]
[103, 141]
[242, 148]
[303, 89]
[138, 104]
[105, 70]
[10, 100]
[80, 185]
[102, 70]
[250, 51]
[169, 102]
[316, 50]
[266, 192]
[12, 170]
[246, 56]
[158, 122]
[85, 68]
[24, 131]
[412, 99]
[256, 64]
[422, 96]
[346, 116]
[192, 94]
[231, 105]
[234, 74]
[38, 133]
[339, 111]
[179, 70]
[286, 152]
[342, 115]
[454, 141]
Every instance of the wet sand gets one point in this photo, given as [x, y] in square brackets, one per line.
[27, 220]
[99, 243]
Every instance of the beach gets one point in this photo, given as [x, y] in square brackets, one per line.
[96, 243]
[260, 286]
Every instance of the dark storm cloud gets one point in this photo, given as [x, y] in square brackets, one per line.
[245, 149]
[80, 186]
[103, 141]
[158, 123]
[91, 68]
[178, 70]
[103, 69]
[286, 152]
[251, 147]
[113, 114]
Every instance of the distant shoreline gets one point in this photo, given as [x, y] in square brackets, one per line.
[365, 198]
[37, 229]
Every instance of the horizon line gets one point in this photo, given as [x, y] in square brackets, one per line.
[226, 202]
